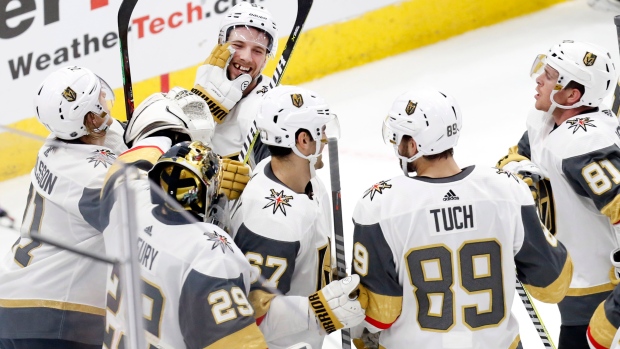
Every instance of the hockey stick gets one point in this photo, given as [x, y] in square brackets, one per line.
[533, 313]
[334, 174]
[124, 16]
[616, 105]
[303, 9]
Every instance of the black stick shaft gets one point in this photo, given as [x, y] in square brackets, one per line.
[616, 105]
[124, 17]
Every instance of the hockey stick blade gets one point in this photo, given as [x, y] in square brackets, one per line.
[303, 9]
[334, 174]
[124, 16]
[534, 316]
[616, 105]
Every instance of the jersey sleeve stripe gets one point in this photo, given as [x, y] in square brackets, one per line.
[574, 292]
[250, 336]
[515, 343]
[612, 210]
[42, 303]
[556, 290]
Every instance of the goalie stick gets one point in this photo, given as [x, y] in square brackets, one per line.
[334, 174]
[303, 9]
[616, 105]
[124, 16]
[534, 316]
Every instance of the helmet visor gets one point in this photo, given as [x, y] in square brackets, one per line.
[538, 67]
[258, 37]
[106, 96]
[332, 127]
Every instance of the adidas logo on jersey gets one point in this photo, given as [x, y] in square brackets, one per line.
[450, 196]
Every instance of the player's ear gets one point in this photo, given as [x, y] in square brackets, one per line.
[574, 96]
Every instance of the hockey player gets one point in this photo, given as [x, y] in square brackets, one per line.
[51, 298]
[574, 142]
[437, 252]
[194, 276]
[231, 82]
[280, 225]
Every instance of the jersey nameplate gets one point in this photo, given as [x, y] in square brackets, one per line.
[451, 219]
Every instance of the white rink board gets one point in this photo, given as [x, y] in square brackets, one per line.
[486, 70]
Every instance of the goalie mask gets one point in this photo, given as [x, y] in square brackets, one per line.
[288, 109]
[189, 173]
[431, 118]
[583, 63]
[245, 14]
[65, 98]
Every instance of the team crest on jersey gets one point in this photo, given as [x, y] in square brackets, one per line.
[102, 156]
[262, 90]
[219, 241]
[410, 108]
[377, 188]
[297, 99]
[589, 59]
[278, 201]
[580, 124]
[69, 94]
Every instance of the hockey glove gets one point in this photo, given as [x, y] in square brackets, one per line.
[522, 167]
[236, 176]
[213, 85]
[197, 111]
[333, 307]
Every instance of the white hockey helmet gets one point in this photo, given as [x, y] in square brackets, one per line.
[250, 15]
[587, 64]
[288, 109]
[66, 96]
[432, 118]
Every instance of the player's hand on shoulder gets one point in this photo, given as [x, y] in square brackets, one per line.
[236, 176]
[214, 86]
[336, 305]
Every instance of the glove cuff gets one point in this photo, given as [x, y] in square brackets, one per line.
[327, 319]
[218, 111]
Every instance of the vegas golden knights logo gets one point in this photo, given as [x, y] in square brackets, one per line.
[410, 108]
[69, 94]
[589, 59]
[297, 99]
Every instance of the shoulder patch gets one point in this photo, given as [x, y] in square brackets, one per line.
[278, 201]
[580, 124]
[507, 173]
[219, 241]
[102, 156]
[377, 188]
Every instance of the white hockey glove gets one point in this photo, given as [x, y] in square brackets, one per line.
[213, 85]
[161, 116]
[236, 176]
[197, 110]
[526, 169]
[333, 306]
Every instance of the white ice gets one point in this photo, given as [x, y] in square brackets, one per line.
[486, 70]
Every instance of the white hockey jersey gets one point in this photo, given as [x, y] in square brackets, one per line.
[47, 292]
[229, 136]
[437, 258]
[581, 159]
[285, 236]
[195, 280]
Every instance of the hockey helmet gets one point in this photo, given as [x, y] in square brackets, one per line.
[584, 63]
[250, 15]
[432, 118]
[66, 96]
[190, 173]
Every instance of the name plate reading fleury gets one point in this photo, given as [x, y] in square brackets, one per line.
[451, 219]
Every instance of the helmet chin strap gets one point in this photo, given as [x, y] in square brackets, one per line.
[404, 161]
[104, 125]
[555, 105]
[312, 159]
